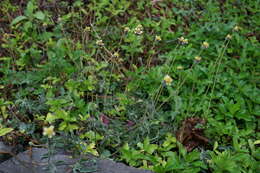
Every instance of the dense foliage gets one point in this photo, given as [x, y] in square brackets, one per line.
[118, 79]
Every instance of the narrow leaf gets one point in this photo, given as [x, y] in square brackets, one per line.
[18, 19]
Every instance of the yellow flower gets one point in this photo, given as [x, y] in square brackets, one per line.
[100, 42]
[205, 44]
[126, 29]
[179, 67]
[49, 131]
[87, 29]
[183, 40]
[228, 37]
[236, 28]
[167, 79]
[197, 58]
[139, 29]
[116, 55]
[158, 38]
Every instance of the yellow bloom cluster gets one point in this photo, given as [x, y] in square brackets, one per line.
[197, 58]
[100, 42]
[183, 40]
[205, 45]
[139, 29]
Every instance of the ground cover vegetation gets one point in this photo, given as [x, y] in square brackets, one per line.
[164, 85]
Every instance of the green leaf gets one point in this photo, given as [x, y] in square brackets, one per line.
[215, 146]
[63, 125]
[93, 136]
[149, 148]
[18, 19]
[39, 15]
[257, 142]
[29, 9]
[4, 131]
[50, 118]
[233, 108]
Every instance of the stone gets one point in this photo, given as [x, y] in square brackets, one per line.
[4, 150]
[32, 161]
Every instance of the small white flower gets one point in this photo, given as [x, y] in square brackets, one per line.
[49, 131]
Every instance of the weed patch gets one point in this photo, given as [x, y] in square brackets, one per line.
[169, 86]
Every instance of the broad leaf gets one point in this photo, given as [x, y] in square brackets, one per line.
[4, 131]
[39, 15]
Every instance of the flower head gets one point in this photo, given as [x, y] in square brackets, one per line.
[126, 29]
[116, 55]
[87, 29]
[236, 28]
[183, 40]
[139, 29]
[167, 79]
[197, 58]
[49, 131]
[205, 45]
[100, 42]
[229, 37]
[6, 35]
[158, 38]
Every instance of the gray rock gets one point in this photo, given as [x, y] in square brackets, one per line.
[4, 149]
[107, 166]
[33, 162]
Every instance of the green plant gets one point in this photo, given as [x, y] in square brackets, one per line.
[101, 70]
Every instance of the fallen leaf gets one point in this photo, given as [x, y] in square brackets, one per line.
[190, 135]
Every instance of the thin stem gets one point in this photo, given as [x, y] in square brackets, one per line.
[157, 95]
[215, 79]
